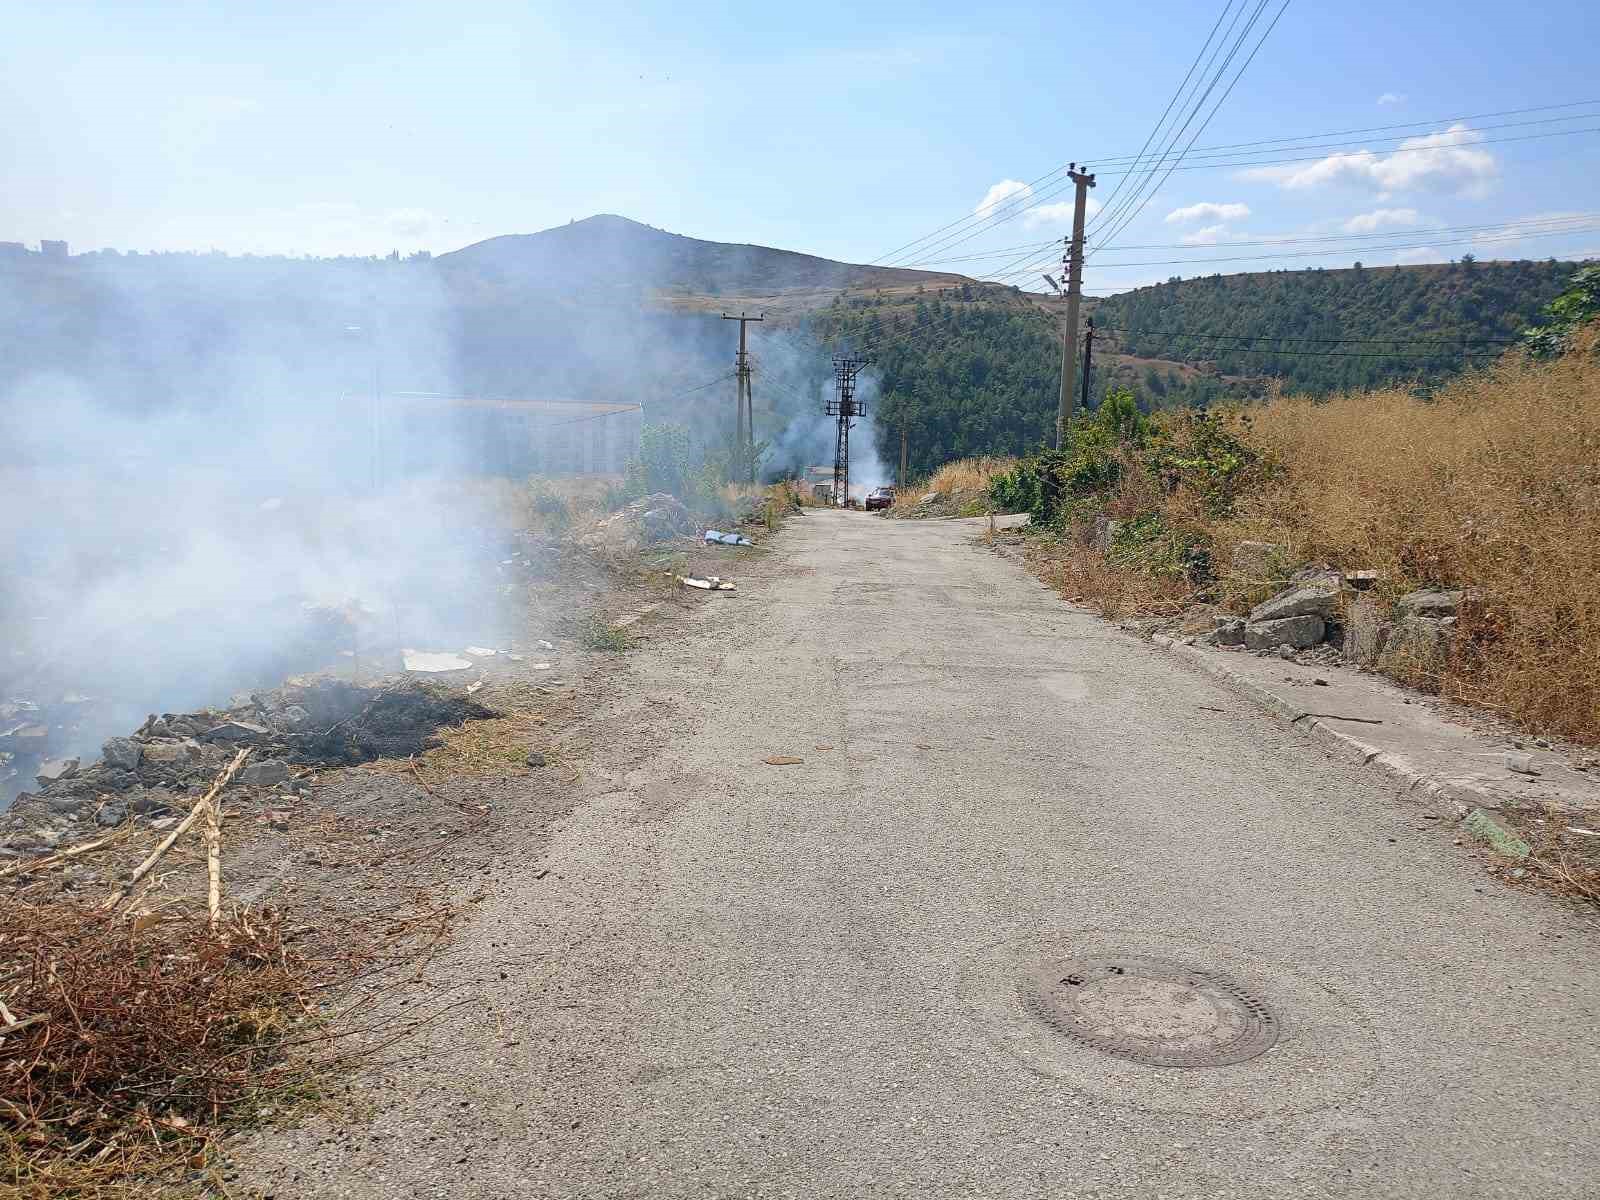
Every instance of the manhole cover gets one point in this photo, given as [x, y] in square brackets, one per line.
[1149, 1010]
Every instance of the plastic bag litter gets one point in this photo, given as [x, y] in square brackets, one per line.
[727, 539]
[714, 584]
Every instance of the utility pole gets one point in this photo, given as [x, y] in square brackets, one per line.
[905, 445]
[1088, 361]
[744, 418]
[1073, 262]
[844, 406]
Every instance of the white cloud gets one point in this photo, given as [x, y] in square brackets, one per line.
[1439, 162]
[1057, 214]
[999, 194]
[1208, 236]
[1418, 254]
[1373, 221]
[1010, 198]
[1392, 98]
[1207, 210]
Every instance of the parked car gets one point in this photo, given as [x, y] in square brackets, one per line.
[879, 498]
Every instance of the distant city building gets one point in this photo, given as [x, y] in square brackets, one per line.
[52, 249]
[12, 249]
[509, 437]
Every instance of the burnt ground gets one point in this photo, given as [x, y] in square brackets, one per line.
[448, 781]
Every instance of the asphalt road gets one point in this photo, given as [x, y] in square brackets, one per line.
[753, 980]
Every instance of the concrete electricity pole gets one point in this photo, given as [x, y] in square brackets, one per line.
[745, 419]
[905, 448]
[1069, 335]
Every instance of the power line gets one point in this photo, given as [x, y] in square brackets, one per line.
[1372, 240]
[1115, 212]
[1466, 145]
[1112, 162]
[1109, 238]
[1182, 87]
[1474, 240]
[1169, 338]
[1272, 337]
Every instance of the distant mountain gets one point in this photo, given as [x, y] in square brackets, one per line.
[609, 253]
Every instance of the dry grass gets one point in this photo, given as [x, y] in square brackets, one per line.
[1082, 574]
[966, 478]
[1494, 484]
[147, 1038]
[540, 505]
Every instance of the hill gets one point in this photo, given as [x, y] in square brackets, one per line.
[608, 253]
[1324, 331]
[974, 369]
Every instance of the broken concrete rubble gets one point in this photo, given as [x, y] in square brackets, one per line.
[1365, 632]
[1309, 599]
[1416, 644]
[122, 752]
[1300, 632]
[265, 773]
[336, 723]
[1430, 602]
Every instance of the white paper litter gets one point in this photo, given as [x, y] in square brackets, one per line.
[430, 662]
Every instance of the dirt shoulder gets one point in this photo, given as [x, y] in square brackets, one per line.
[474, 835]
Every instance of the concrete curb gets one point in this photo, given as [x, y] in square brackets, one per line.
[1467, 793]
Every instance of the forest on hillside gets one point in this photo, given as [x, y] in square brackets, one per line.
[1319, 331]
[979, 374]
[960, 378]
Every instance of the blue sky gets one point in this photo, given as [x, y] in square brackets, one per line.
[844, 130]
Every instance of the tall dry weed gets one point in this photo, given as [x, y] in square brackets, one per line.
[964, 477]
[1492, 484]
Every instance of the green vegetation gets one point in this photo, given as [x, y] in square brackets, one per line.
[966, 378]
[975, 370]
[597, 633]
[1574, 308]
[1201, 453]
[670, 460]
[1319, 316]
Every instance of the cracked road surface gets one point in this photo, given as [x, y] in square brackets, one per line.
[766, 981]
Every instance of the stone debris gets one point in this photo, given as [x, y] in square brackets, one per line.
[1366, 631]
[1303, 600]
[56, 768]
[1298, 632]
[122, 752]
[1429, 602]
[244, 732]
[312, 721]
[266, 773]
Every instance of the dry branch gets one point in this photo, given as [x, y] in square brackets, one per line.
[214, 858]
[121, 894]
[60, 856]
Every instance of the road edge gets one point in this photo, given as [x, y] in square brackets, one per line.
[1474, 803]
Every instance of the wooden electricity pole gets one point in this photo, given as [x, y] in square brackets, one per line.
[1069, 335]
[744, 419]
[904, 454]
